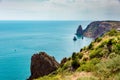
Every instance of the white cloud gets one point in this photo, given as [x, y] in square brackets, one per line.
[59, 9]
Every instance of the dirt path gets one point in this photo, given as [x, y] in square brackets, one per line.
[77, 75]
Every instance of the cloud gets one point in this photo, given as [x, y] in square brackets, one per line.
[60, 9]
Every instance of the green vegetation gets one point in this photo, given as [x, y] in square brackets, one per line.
[89, 65]
[75, 60]
[90, 46]
[100, 59]
[109, 69]
[113, 32]
[98, 39]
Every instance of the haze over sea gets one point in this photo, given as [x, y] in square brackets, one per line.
[19, 40]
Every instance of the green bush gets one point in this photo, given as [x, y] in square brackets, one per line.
[82, 62]
[116, 48]
[96, 53]
[86, 67]
[85, 58]
[75, 63]
[113, 32]
[74, 55]
[90, 46]
[98, 39]
[94, 61]
[80, 55]
[75, 60]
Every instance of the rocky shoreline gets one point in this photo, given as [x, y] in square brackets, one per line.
[98, 28]
[43, 64]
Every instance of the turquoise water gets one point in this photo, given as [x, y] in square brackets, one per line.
[19, 40]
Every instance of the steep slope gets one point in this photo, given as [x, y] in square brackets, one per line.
[98, 28]
[98, 61]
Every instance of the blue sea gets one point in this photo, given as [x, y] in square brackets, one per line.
[19, 40]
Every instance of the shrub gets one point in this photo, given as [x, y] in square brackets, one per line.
[86, 67]
[81, 50]
[98, 39]
[85, 58]
[75, 63]
[113, 32]
[74, 55]
[82, 62]
[94, 61]
[75, 60]
[80, 55]
[116, 48]
[90, 46]
[96, 53]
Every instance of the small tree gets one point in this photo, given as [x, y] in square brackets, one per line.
[75, 63]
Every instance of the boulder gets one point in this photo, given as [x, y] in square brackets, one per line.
[41, 65]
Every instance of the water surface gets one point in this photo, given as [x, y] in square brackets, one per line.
[19, 40]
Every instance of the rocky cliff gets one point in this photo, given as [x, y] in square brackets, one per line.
[42, 64]
[98, 28]
[79, 31]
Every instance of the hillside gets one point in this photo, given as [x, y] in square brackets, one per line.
[98, 28]
[98, 61]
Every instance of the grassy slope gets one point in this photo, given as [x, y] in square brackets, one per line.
[98, 61]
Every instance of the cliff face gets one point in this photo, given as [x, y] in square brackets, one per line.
[42, 64]
[98, 28]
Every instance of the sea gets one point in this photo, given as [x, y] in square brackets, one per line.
[19, 40]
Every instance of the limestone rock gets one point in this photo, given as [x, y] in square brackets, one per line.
[79, 31]
[42, 64]
[98, 28]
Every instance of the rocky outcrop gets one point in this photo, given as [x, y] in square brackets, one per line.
[42, 64]
[79, 31]
[98, 28]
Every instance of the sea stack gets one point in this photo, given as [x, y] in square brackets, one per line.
[79, 31]
[42, 64]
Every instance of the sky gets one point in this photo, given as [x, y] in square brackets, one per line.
[59, 9]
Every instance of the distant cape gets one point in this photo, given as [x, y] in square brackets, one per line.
[98, 28]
